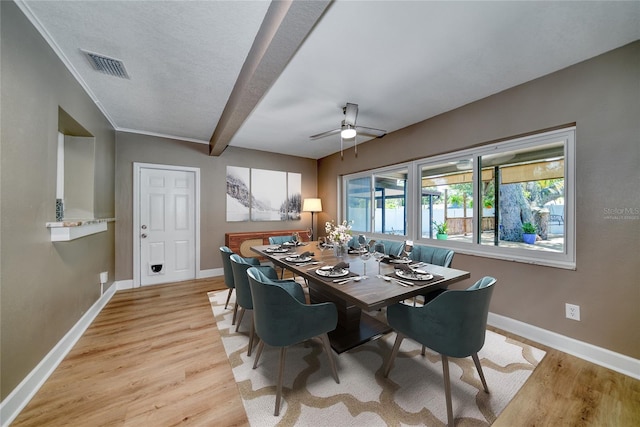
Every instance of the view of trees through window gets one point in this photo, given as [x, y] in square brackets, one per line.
[521, 186]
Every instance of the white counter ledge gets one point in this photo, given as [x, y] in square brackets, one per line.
[64, 231]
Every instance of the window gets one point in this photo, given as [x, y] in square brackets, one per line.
[481, 197]
[447, 199]
[378, 202]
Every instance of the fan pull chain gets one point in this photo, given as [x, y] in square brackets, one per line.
[355, 144]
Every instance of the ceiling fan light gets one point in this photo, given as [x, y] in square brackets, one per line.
[347, 132]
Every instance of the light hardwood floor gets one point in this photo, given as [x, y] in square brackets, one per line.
[153, 357]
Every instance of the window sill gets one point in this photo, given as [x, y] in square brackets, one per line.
[65, 231]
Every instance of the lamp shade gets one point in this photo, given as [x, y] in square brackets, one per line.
[312, 205]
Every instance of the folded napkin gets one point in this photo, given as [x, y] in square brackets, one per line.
[392, 256]
[404, 267]
[340, 266]
[303, 255]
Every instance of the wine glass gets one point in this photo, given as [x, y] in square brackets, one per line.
[364, 256]
[362, 241]
[322, 244]
[294, 238]
[379, 253]
[309, 233]
[408, 247]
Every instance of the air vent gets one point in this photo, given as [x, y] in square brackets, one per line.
[106, 65]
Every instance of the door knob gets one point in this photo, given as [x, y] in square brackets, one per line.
[143, 235]
[144, 227]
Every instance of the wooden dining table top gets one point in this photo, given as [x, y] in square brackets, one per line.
[369, 293]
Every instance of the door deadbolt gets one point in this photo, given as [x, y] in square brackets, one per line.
[143, 235]
[144, 227]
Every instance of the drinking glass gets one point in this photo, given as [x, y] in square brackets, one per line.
[362, 241]
[408, 247]
[322, 244]
[364, 256]
[379, 253]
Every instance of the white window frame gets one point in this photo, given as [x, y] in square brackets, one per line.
[565, 259]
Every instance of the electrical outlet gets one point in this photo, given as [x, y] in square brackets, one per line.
[572, 311]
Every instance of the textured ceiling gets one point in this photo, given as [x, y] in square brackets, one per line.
[402, 62]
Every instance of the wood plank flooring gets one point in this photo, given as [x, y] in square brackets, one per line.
[153, 357]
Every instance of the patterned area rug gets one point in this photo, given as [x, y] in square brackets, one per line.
[412, 395]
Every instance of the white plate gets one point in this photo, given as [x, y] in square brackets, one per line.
[327, 272]
[276, 250]
[297, 259]
[413, 276]
[400, 261]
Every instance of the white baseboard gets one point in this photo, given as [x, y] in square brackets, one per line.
[600, 356]
[124, 284]
[11, 406]
[214, 272]
[22, 394]
[202, 274]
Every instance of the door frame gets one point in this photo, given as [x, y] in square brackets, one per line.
[136, 214]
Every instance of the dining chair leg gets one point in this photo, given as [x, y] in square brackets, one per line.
[240, 316]
[447, 389]
[283, 353]
[332, 362]
[479, 368]
[228, 298]
[235, 313]
[258, 353]
[394, 352]
[252, 334]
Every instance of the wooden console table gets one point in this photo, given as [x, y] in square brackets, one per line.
[241, 243]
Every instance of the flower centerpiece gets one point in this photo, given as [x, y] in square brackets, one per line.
[339, 235]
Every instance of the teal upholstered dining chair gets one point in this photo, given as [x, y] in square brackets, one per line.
[282, 318]
[278, 240]
[244, 300]
[431, 255]
[453, 324]
[226, 253]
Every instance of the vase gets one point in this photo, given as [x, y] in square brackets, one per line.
[339, 250]
[529, 238]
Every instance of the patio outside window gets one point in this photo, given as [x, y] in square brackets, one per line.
[483, 196]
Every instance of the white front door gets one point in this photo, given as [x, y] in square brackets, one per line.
[166, 225]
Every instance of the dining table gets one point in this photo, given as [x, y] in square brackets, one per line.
[356, 294]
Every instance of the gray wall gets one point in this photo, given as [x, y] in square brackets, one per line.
[602, 97]
[213, 226]
[45, 287]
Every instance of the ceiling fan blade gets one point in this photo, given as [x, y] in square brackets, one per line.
[350, 114]
[327, 133]
[365, 131]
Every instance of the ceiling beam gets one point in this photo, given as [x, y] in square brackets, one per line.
[286, 25]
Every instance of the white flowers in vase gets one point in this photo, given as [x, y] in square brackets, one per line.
[340, 233]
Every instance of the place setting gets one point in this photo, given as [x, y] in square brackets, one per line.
[338, 273]
[280, 249]
[405, 275]
[305, 258]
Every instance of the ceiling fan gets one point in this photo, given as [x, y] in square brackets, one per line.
[349, 129]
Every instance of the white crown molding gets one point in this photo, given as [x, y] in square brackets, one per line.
[162, 135]
[58, 51]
